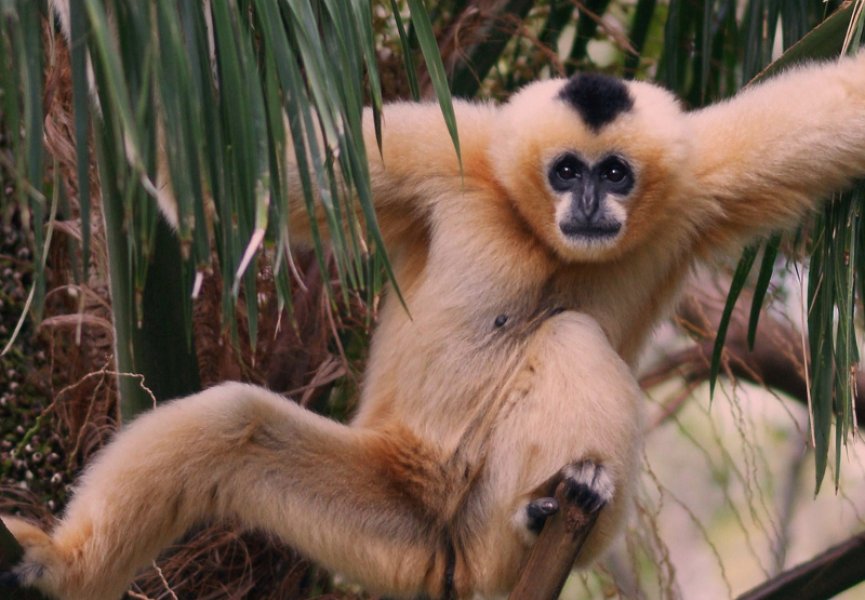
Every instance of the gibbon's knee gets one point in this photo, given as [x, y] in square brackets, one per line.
[188, 452]
[579, 398]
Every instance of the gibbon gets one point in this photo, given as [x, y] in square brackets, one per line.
[533, 273]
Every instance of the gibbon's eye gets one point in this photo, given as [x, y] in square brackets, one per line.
[564, 171]
[617, 172]
[614, 173]
[567, 170]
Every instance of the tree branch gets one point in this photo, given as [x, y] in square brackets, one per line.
[775, 361]
[835, 570]
[553, 554]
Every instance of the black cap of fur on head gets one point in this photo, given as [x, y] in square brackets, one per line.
[598, 98]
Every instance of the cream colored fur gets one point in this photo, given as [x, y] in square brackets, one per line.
[462, 422]
[375, 503]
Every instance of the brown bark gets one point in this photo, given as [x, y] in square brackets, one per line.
[776, 360]
[553, 555]
[827, 574]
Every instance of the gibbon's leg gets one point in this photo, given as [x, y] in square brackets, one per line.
[574, 409]
[241, 453]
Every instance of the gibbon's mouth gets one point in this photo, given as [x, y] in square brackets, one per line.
[596, 231]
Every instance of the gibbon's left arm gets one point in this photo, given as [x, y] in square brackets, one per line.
[770, 153]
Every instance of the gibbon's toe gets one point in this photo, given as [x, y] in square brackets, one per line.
[38, 552]
[9, 581]
[589, 485]
[538, 510]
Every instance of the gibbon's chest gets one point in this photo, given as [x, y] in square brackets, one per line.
[486, 273]
[483, 286]
[491, 277]
[470, 304]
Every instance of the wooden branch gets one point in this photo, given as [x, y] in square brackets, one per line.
[775, 361]
[825, 575]
[553, 555]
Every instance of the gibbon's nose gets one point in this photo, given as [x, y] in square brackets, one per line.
[587, 200]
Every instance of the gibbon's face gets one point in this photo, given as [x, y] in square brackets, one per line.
[592, 194]
[593, 164]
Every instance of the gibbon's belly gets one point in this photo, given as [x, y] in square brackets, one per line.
[445, 361]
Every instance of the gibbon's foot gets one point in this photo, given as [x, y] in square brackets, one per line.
[9, 581]
[588, 485]
[538, 511]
